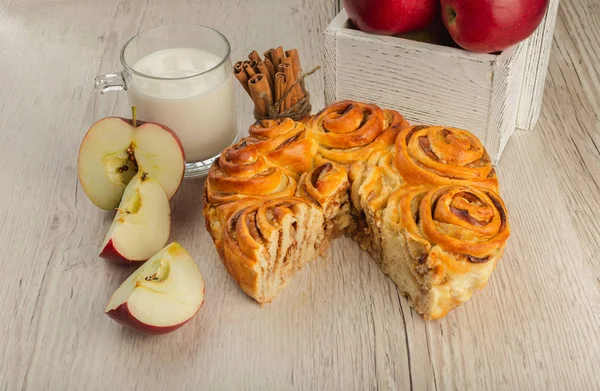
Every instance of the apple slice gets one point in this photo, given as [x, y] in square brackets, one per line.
[160, 296]
[142, 224]
[114, 150]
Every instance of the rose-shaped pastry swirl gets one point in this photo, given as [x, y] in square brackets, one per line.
[349, 131]
[323, 184]
[242, 172]
[266, 243]
[466, 221]
[327, 186]
[271, 128]
[441, 156]
[453, 238]
[285, 143]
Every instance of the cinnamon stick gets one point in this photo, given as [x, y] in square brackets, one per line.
[260, 92]
[280, 90]
[290, 79]
[271, 68]
[277, 55]
[249, 69]
[262, 68]
[242, 77]
[237, 67]
[293, 54]
[254, 56]
[286, 60]
[272, 79]
[267, 55]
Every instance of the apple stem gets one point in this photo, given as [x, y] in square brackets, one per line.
[134, 116]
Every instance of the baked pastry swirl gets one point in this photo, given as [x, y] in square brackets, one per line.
[241, 171]
[349, 131]
[423, 200]
[265, 244]
[369, 194]
[285, 143]
[440, 244]
[327, 187]
[439, 155]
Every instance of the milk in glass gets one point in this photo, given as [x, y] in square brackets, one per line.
[199, 108]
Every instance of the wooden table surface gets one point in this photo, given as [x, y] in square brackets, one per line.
[340, 324]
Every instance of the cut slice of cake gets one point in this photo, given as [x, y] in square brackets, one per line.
[265, 244]
[441, 244]
[327, 186]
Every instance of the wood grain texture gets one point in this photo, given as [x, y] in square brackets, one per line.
[429, 83]
[508, 70]
[490, 95]
[340, 324]
[536, 68]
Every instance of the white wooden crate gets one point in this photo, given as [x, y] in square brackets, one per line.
[487, 94]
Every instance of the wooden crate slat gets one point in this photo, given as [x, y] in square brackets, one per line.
[487, 94]
[536, 69]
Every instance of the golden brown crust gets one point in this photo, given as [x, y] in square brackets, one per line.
[249, 234]
[464, 220]
[422, 199]
[439, 155]
[349, 131]
[285, 143]
[271, 128]
[453, 237]
[323, 183]
[327, 187]
[242, 172]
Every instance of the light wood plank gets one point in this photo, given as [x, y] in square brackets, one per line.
[340, 324]
[536, 67]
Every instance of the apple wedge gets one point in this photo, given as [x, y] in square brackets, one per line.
[160, 296]
[114, 150]
[142, 224]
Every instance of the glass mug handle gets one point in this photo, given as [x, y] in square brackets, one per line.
[109, 82]
[106, 105]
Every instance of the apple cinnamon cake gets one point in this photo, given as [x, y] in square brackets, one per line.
[423, 200]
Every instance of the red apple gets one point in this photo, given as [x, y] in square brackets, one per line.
[162, 295]
[142, 224]
[487, 26]
[389, 17]
[113, 151]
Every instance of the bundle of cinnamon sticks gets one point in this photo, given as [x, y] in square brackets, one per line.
[268, 80]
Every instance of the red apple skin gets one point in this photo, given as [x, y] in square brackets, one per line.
[390, 17]
[487, 26]
[110, 253]
[122, 316]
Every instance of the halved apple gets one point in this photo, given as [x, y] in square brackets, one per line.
[160, 296]
[113, 151]
[142, 224]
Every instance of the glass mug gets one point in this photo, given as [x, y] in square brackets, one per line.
[181, 76]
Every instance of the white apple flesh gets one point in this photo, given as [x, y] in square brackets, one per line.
[113, 150]
[160, 296]
[142, 224]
